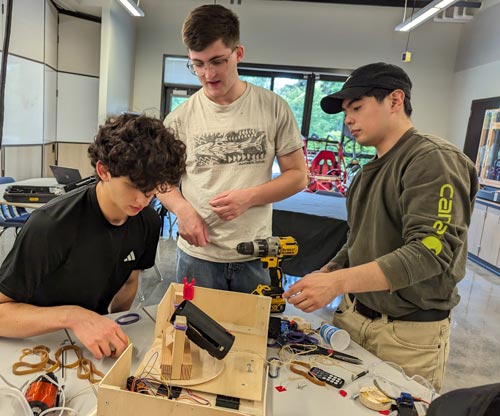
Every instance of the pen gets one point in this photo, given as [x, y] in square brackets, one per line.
[315, 349]
[359, 375]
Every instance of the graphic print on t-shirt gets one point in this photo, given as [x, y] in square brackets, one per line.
[242, 147]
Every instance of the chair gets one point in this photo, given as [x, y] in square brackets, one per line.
[11, 216]
[162, 212]
[324, 171]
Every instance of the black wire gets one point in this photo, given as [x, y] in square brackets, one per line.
[408, 39]
[3, 70]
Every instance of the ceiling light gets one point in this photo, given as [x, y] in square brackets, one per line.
[132, 8]
[424, 14]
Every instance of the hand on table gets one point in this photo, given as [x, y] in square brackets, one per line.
[100, 335]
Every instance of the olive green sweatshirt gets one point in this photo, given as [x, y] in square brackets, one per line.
[409, 211]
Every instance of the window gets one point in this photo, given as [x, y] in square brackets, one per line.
[302, 87]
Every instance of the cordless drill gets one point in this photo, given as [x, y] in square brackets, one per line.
[272, 251]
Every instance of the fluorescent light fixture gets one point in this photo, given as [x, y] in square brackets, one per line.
[424, 14]
[132, 8]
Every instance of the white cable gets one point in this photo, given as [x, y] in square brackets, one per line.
[17, 394]
[62, 409]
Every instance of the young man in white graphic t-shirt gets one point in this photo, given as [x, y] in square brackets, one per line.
[233, 131]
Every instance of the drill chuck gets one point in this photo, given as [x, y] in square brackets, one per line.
[245, 248]
[269, 247]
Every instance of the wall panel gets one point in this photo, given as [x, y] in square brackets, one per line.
[79, 45]
[27, 33]
[77, 108]
[23, 162]
[24, 98]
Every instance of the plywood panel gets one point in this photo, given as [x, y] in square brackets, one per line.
[23, 162]
[74, 155]
[77, 108]
[49, 158]
[79, 45]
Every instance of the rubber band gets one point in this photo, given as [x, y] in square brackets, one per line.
[181, 327]
[128, 318]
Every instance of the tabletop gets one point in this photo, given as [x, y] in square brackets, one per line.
[79, 394]
[288, 394]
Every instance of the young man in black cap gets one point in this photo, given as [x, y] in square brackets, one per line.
[408, 214]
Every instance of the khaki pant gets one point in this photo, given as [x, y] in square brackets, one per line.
[418, 347]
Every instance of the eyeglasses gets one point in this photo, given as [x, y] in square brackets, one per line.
[218, 64]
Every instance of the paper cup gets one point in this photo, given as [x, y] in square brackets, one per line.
[338, 339]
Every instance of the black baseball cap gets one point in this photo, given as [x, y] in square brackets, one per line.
[365, 79]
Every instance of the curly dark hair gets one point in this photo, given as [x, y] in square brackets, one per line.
[141, 148]
[209, 23]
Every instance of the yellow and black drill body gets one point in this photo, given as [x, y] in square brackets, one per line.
[272, 251]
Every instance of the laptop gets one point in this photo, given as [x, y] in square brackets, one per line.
[65, 176]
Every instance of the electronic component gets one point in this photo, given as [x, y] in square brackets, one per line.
[274, 329]
[204, 331]
[43, 393]
[327, 377]
[227, 401]
[139, 385]
[172, 392]
[406, 405]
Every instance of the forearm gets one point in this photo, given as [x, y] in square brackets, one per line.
[283, 186]
[293, 178]
[339, 261]
[367, 277]
[173, 201]
[20, 320]
[316, 290]
[100, 335]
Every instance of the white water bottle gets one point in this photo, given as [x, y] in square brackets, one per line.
[338, 339]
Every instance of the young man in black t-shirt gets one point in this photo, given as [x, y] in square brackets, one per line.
[79, 256]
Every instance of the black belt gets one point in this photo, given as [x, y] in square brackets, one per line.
[422, 315]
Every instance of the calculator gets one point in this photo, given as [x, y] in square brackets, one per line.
[327, 377]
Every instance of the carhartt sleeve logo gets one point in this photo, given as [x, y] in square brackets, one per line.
[433, 243]
[445, 205]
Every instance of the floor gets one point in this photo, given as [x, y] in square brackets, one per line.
[475, 336]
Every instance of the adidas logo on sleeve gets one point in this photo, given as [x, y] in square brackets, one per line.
[130, 257]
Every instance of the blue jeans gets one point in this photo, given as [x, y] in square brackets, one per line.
[238, 277]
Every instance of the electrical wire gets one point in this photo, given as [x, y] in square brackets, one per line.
[397, 387]
[17, 395]
[62, 409]
[408, 38]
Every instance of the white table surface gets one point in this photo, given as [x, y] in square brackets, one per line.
[140, 334]
[300, 398]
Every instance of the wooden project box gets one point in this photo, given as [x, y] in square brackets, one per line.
[244, 373]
